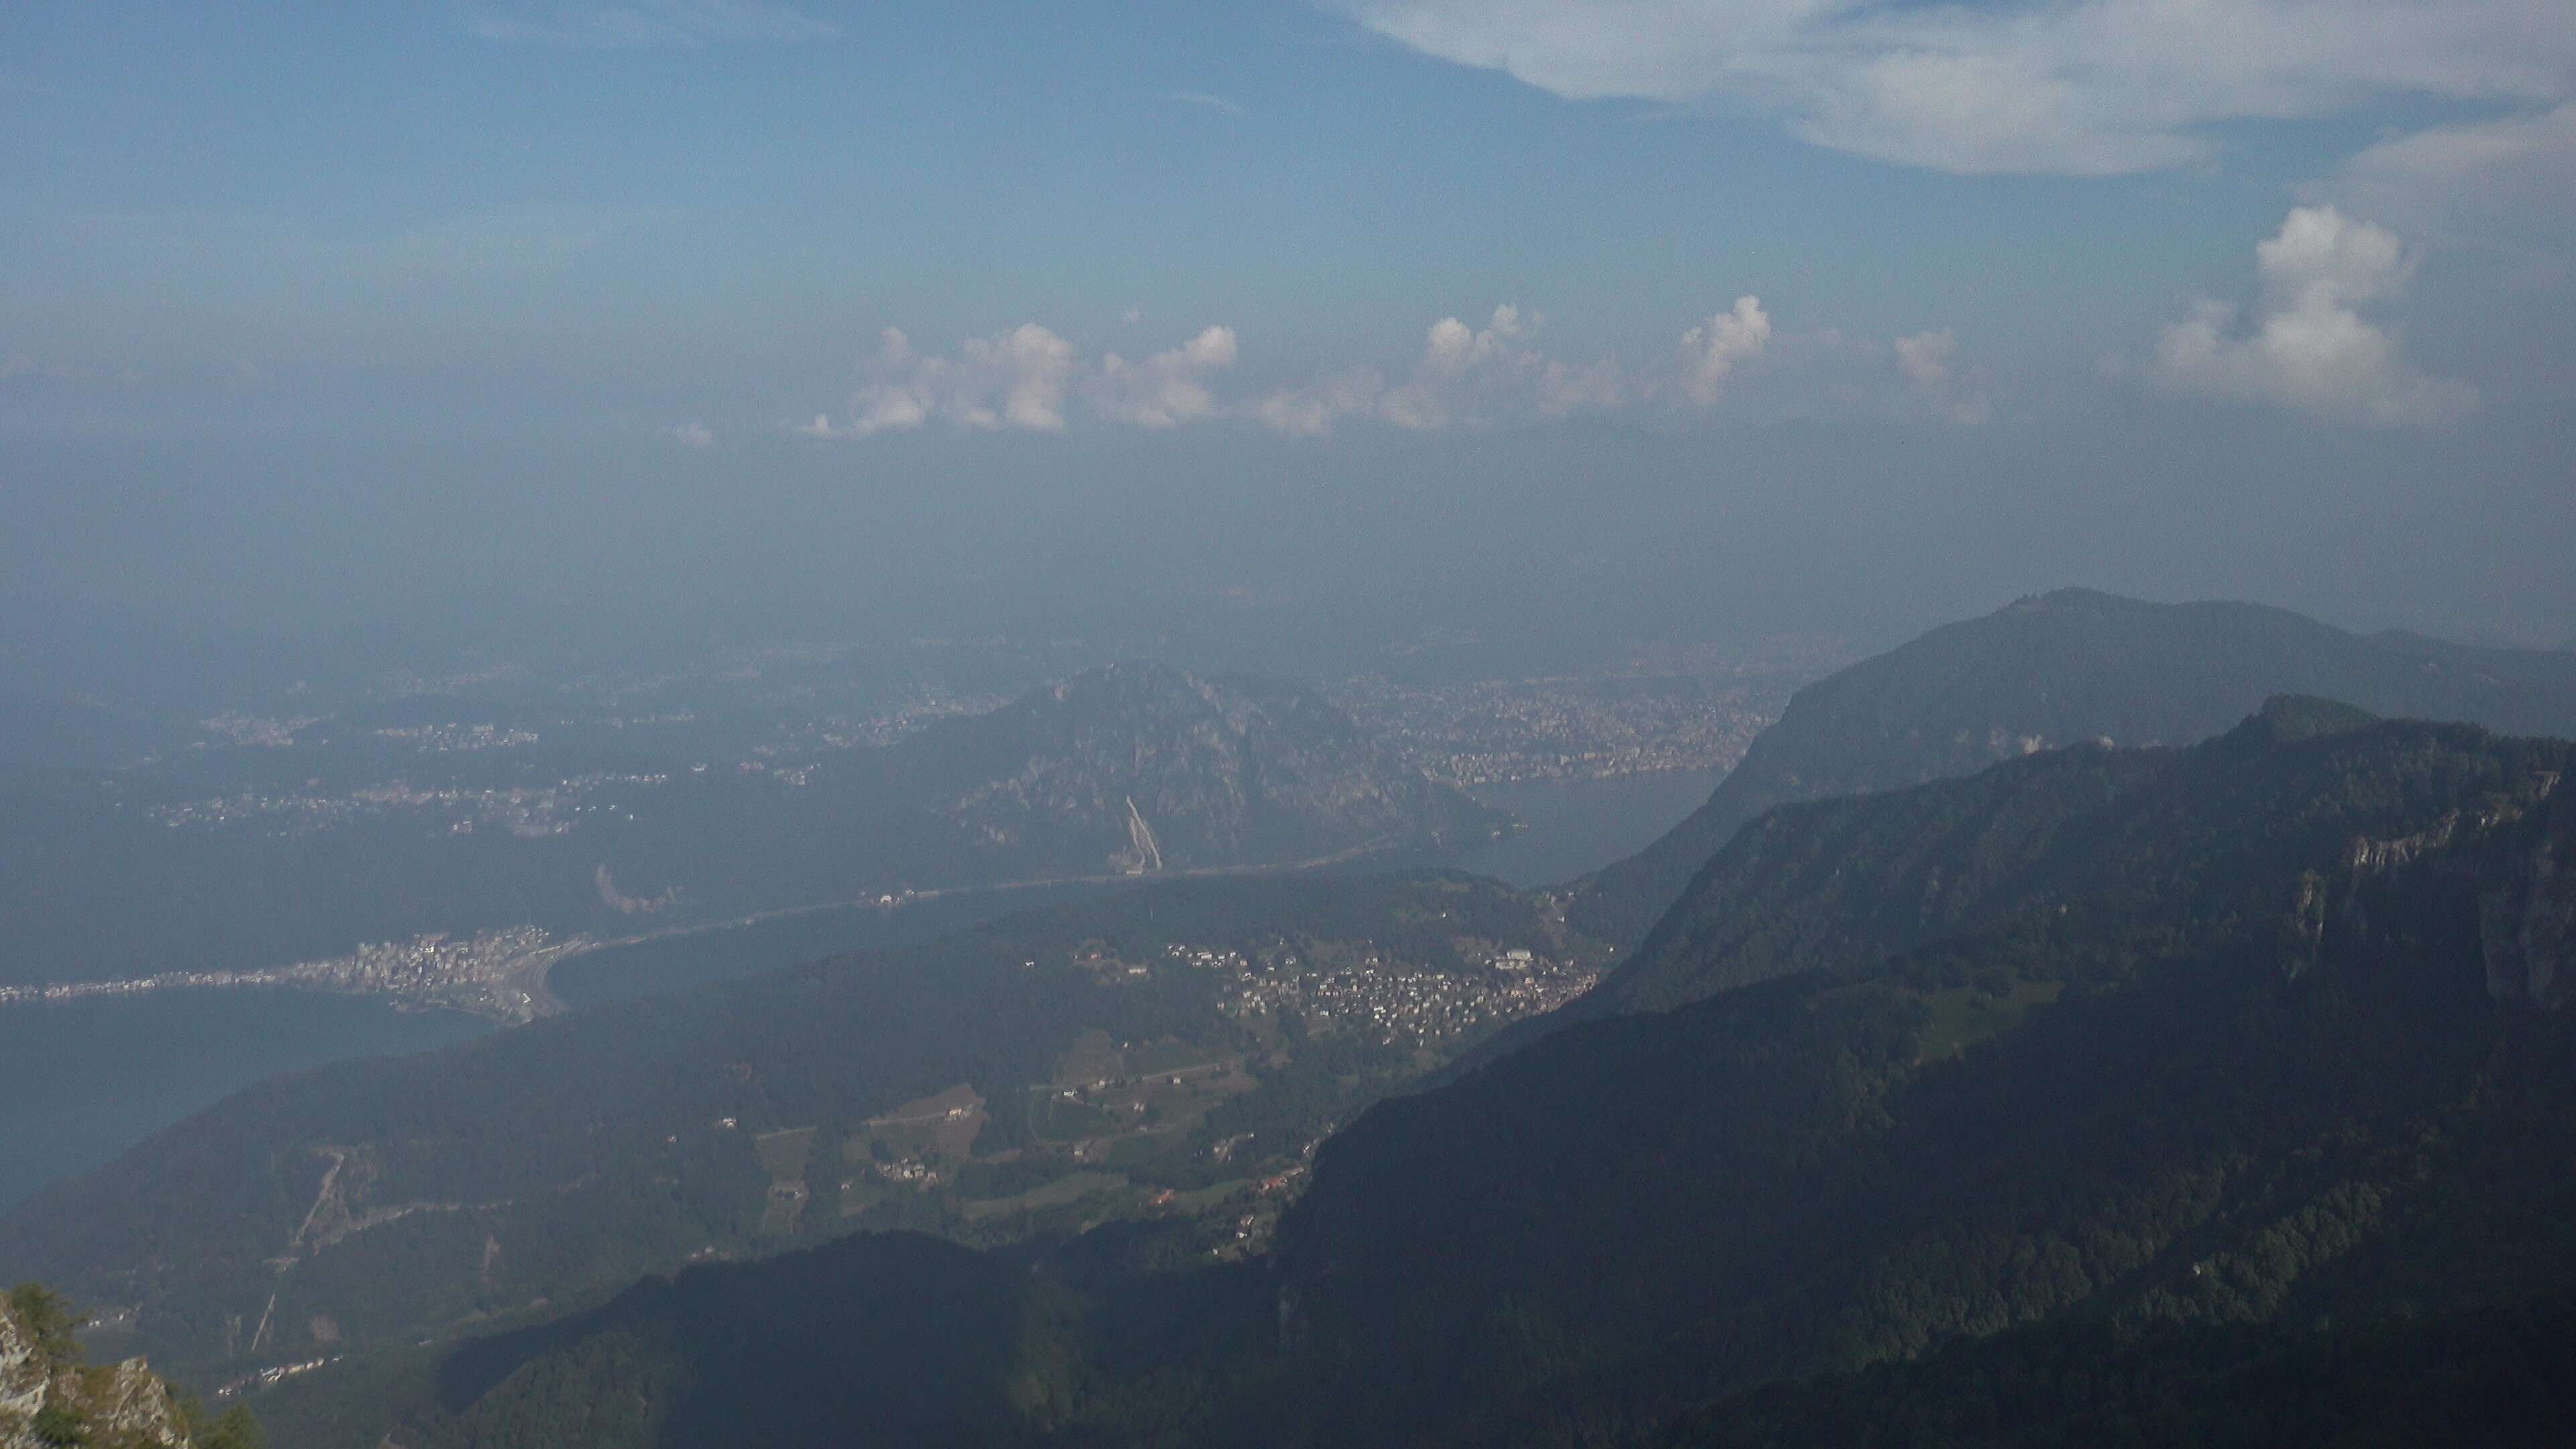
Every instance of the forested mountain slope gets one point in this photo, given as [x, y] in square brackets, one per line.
[2502, 1377]
[2060, 668]
[2290, 1065]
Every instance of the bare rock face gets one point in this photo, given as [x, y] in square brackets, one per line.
[124, 1407]
[22, 1379]
[2527, 920]
[129, 1404]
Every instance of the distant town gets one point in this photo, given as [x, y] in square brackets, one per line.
[499, 974]
[1502, 732]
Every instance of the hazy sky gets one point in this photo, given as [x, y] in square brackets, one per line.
[1895, 307]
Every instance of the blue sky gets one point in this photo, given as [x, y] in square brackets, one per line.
[690, 224]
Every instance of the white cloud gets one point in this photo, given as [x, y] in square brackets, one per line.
[527, 241]
[2510, 181]
[693, 435]
[1028, 366]
[1495, 374]
[1208, 101]
[2307, 346]
[902, 391]
[1023, 379]
[640, 24]
[1311, 411]
[1925, 357]
[1712, 349]
[1168, 388]
[2081, 87]
[1465, 376]
[1930, 361]
[1461, 368]
[1593, 387]
[2321, 252]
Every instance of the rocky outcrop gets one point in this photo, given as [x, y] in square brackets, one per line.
[2527, 919]
[22, 1377]
[44, 1394]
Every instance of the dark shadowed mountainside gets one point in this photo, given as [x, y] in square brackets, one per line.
[2055, 669]
[2493, 1378]
[2260, 1030]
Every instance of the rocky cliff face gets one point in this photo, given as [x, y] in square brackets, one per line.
[47, 1400]
[22, 1378]
[2527, 919]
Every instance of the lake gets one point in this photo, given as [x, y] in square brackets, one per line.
[82, 1081]
[1578, 826]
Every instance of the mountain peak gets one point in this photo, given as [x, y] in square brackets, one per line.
[2287, 717]
[2072, 598]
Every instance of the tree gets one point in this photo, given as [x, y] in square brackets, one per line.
[48, 1319]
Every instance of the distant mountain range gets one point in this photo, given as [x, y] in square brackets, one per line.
[1135, 769]
[1140, 767]
[2055, 669]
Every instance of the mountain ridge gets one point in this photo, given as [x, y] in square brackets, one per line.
[2048, 670]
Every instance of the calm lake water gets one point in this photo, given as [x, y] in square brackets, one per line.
[82, 1081]
[1577, 827]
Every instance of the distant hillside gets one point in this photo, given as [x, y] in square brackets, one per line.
[2058, 668]
[1136, 769]
[1167, 1052]
[1142, 767]
[917, 1340]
